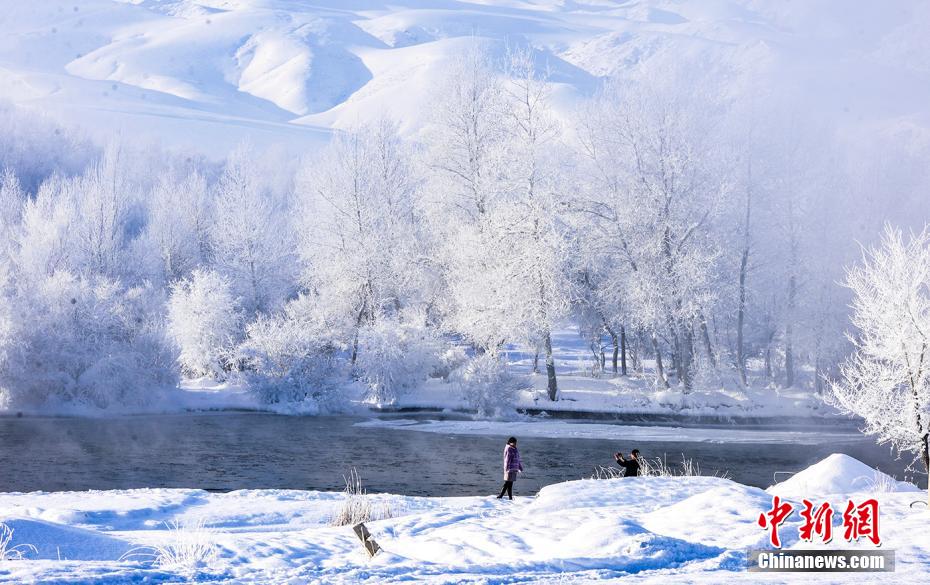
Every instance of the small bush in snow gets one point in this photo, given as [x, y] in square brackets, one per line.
[292, 357]
[203, 319]
[9, 552]
[659, 467]
[395, 357]
[189, 550]
[487, 386]
[86, 341]
[357, 505]
[601, 472]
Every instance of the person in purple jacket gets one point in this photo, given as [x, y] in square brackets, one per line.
[512, 465]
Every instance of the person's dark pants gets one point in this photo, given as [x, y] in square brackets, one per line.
[507, 489]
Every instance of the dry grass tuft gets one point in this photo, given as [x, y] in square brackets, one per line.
[12, 553]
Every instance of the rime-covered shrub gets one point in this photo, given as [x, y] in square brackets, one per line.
[204, 321]
[292, 356]
[86, 342]
[394, 357]
[35, 146]
[449, 361]
[487, 386]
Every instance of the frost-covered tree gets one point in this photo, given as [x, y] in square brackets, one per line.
[466, 136]
[205, 322]
[504, 256]
[12, 199]
[35, 147]
[656, 188]
[534, 233]
[360, 238]
[86, 342]
[251, 237]
[887, 379]
[44, 245]
[177, 234]
[102, 198]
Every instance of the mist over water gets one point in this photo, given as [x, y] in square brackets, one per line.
[256, 451]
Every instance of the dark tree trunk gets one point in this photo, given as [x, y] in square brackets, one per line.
[358, 324]
[616, 346]
[686, 359]
[550, 370]
[743, 269]
[660, 370]
[597, 357]
[925, 457]
[925, 452]
[622, 352]
[741, 318]
[705, 334]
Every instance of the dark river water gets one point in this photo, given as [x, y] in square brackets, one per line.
[227, 451]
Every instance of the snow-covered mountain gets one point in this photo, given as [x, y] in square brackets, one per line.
[209, 73]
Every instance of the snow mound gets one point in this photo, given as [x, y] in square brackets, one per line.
[699, 517]
[839, 474]
[57, 541]
[643, 494]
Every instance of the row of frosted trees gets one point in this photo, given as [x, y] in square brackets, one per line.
[691, 240]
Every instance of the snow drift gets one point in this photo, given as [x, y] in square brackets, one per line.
[839, 474]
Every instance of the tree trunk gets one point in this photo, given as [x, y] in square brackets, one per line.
[705, 334]
[741, 317]
[597, 359]
[536, 362]
[743, 269]
[925, 455]
[622, 352]
[550, 370]
[358, 324]
[615, 343]
[660, 370]
[686, 359]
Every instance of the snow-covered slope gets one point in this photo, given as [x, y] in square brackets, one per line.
[209, 73]
[645, 530]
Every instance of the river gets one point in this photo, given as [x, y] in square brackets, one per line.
[245, 450]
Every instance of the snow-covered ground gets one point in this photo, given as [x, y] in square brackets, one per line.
[649, 530]
[580, 394]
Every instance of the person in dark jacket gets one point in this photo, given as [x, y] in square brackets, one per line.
[512, 465]
[631, 466]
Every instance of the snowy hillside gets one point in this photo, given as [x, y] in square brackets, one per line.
[209, 73]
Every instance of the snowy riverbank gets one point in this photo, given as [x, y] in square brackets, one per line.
[581, 396]
[650, 530]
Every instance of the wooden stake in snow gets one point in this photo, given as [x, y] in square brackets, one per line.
[367, 541]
